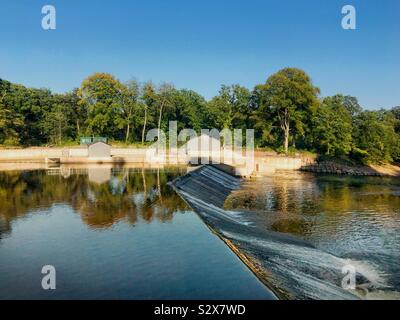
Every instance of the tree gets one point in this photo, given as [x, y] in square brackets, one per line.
[230, 109]
[100, 93]
[21, 113]
[129, 97]
[63, 121]
[159, 99]
[32, 104]
[10, 124]
[164, 100]
[396, 113]
[375, 137]
[290, 96]
[188, 109]
[148, 101]
[286, 108]
[56, 124]
[78, 112]
[333, 127]
[351, 104]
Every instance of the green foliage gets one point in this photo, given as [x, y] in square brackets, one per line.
[396, 114]
[60, 122]
[284, 109]
[288, 99]
[188, 110]
[128, 107]
[375, 137]
[230, 109]
[333, 127]
[351, 104]
[101, 95]
[10, 124]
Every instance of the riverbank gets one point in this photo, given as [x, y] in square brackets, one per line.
[265, 163]
[337, 168]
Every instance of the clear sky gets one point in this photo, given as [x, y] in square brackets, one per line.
[201, 44]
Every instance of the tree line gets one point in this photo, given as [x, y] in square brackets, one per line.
[286, 112]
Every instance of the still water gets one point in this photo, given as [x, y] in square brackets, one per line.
[111, 233]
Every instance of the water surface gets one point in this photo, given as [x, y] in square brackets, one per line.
[356, 219]
[111, 233]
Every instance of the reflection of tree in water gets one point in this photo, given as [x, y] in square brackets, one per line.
[296, 202]
[5, 228]
[129, 195]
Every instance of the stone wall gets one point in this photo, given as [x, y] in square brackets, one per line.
[329, 167]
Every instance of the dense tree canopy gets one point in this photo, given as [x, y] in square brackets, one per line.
[375, 136]
[230, 108]
[333, 127]
[10, 124]
[102, 96]
[286, 112]
[290, 98]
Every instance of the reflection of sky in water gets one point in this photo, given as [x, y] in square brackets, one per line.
[126, 237]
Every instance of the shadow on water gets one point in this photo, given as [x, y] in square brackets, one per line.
[292, 231]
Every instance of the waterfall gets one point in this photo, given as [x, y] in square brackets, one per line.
[290, 266]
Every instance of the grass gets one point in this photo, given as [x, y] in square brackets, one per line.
[293, 152]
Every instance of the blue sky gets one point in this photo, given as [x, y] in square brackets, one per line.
[205, 43]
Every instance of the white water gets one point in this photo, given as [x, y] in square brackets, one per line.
[299, 269]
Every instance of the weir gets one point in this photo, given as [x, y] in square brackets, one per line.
[289, 266]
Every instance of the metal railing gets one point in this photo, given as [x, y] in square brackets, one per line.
[90, 140]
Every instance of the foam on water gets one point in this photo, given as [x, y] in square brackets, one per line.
[294, 266]
[209, 210]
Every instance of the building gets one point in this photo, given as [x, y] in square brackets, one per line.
[99, 150]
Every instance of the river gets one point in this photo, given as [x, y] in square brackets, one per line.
[111, 233]
[125, 233]
[301, 232]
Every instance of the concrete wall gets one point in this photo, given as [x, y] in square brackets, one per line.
[128, 151]
[267, 164]
[78, 152]
[280, 163]
[43, 153]
[30, 154]
[264, 163]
